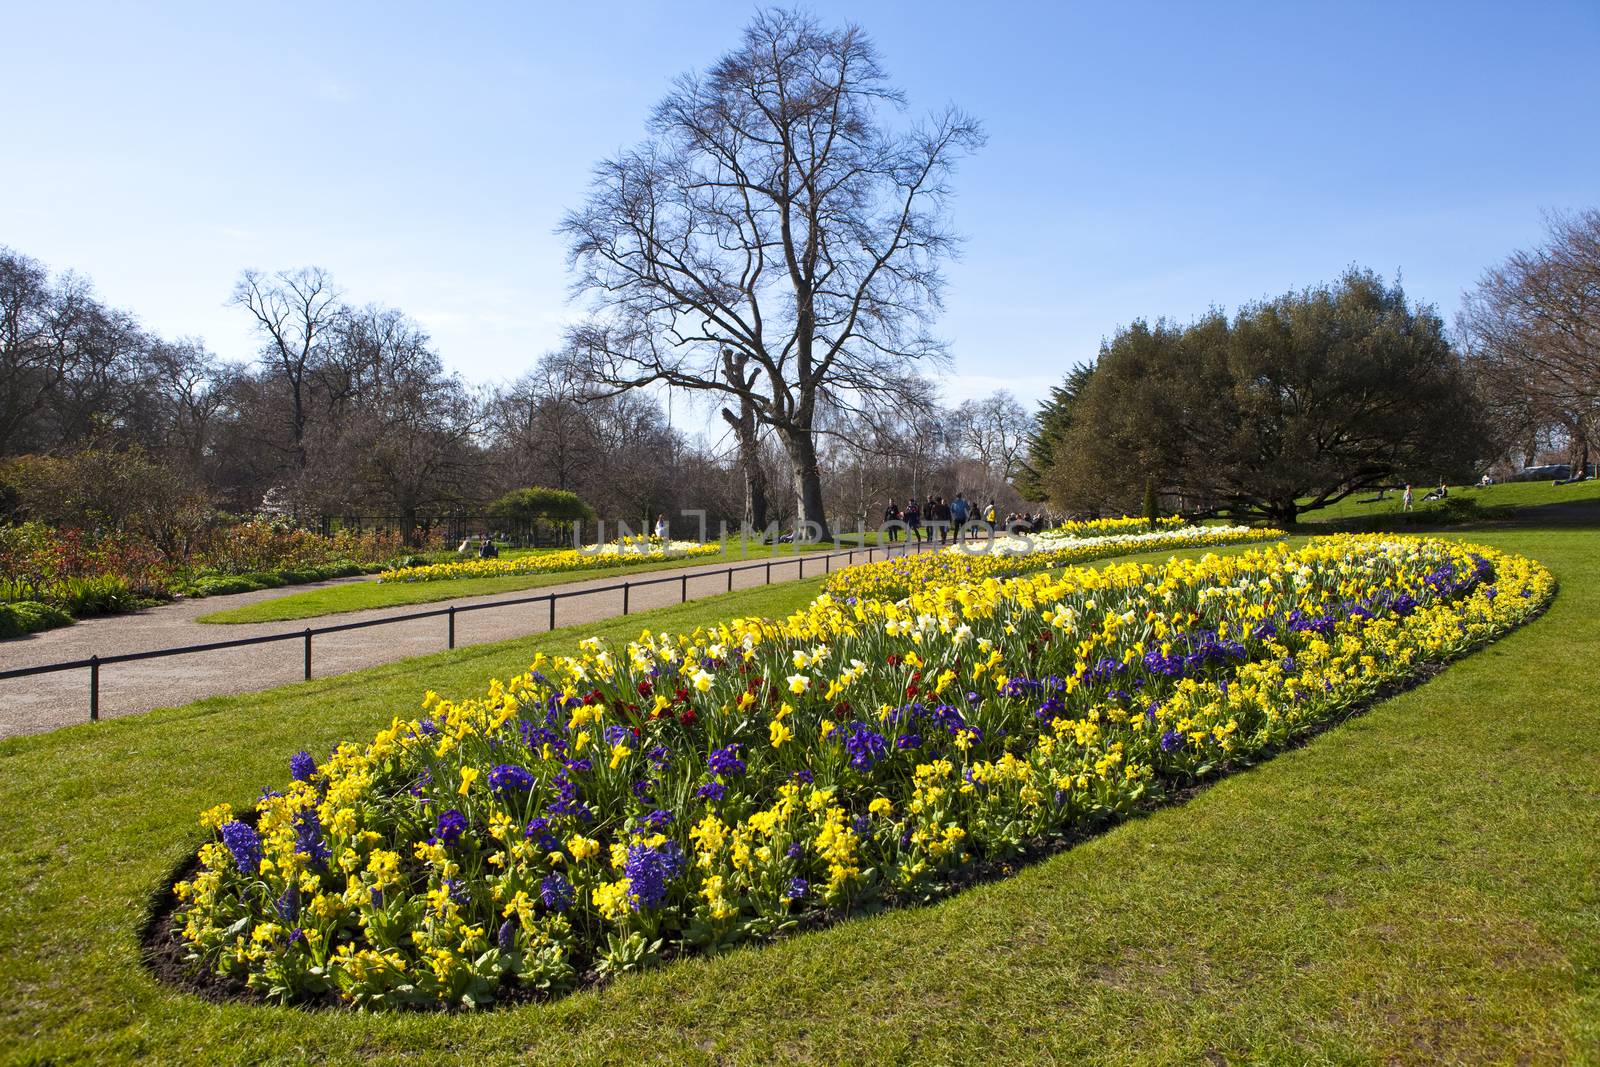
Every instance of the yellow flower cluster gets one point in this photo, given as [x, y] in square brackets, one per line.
[617, 554]
[1012, 555]
[1124, 524]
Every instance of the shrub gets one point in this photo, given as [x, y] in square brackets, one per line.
[101, 594]
[18, 617]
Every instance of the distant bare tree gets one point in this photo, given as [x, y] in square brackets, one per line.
[294, 311]
[1533, 326]
[195, 389]
[772, 213]
[994, 431]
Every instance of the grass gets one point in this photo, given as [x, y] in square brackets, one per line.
[1416, 885]
[359, 596]
[1524, 496]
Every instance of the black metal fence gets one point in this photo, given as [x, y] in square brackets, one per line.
[306, 635]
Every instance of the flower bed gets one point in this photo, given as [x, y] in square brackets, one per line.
[1009, 555]
[688, 793]
[1124, 524]
[617, 554]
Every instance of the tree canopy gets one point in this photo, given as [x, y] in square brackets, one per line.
[535, 503]
[1291, 405]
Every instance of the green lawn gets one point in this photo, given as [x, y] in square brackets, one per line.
[358, 596]
[1521, 495]
[1417, 885]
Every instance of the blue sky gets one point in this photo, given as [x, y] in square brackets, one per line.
[1143, 160]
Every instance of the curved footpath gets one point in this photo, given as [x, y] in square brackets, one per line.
[44, 702]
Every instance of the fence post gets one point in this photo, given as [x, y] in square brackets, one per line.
[769, 572]
[685, 599]
[552, 611]
[308, 653]
[827, 562]
[94, 688]
[730, 579]
[452, 618]
[625, 587]
[801, 557]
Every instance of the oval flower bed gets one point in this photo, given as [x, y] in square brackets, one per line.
[681, 794]
[616, 554]
[1010, 554]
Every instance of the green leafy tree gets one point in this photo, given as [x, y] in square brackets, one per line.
[1291, 405]
[525, 509]
[1050, 425]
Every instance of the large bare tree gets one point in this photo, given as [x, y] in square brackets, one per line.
[1533, 328]
[772, 212]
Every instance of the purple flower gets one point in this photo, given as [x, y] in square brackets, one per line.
[556, 892]
[451, 825]
[302, 766]
[245, 845]
[797, 888]
[510, 778]
[1170, 740]
[289, 903]
[308, 837]
[648, 871]
[726, 761]
[539, 829]
[711, 791]
[866, 746]
[507, 936]
[659, 819]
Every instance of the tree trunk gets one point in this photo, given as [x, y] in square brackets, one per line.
[809, 507]
[755, 476]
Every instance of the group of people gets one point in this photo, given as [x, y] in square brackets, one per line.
[1440, 493]
[485, 548]
[942, 520]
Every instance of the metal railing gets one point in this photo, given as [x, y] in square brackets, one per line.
[94, 663]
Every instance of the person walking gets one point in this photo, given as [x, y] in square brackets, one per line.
[1405, 499]
[958, 513]
[913, 521]
[661, 527]
[989, 513]
[941, 517]
[891, 521]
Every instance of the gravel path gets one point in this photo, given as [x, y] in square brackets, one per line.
[47, 701]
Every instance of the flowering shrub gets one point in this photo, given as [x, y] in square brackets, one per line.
[257, 546]
[1003, 556]
[39, 562]
[700, 790]
[616, 554]
[1125, 524]
[85, 572]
